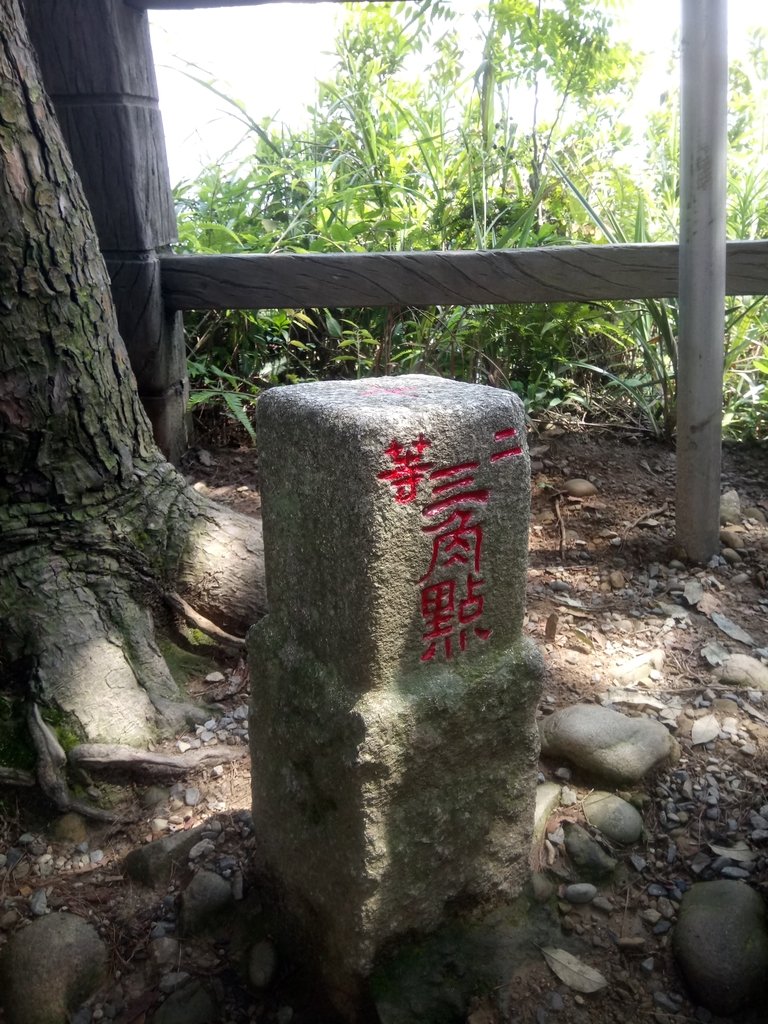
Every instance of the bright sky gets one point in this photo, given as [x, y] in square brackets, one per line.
[270, 57]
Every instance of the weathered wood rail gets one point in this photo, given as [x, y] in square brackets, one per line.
[186, 5]
[553, 274]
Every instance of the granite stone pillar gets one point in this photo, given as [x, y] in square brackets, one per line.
[392, 712]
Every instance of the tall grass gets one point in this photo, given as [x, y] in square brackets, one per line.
[395, 157]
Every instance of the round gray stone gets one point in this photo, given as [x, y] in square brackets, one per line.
[155, 863]
[606, 743]
[262, 961]
[580, 892]
[50, 968]
[730, 508]
[70, 828]
[587, 855]
[204, 902]
[743, 670]
[190, 1004]
[721, 945]
[618, 820]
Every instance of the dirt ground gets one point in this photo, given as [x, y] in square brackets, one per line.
[605, 589]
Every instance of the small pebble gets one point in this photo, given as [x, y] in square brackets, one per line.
[173, 980]
[729, 871]
[603, 903]
[38, 903]
[200, 849]
[580, 892]
[664, 1001]
[568, 797]
[665, 908]
[651, 916]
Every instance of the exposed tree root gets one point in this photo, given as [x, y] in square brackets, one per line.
[16, 777]
[51, 761]
[200, 622]
[147, 765]
[76, 602]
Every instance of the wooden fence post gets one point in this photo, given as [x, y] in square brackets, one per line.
[96, 60]
[703, 147]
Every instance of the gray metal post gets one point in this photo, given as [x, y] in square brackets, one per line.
[702, 274]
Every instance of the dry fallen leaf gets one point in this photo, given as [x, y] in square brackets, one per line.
[572, 972]
[693, 592]
[714, 652]
[631, 697]
[739, 852]
[708, 604]
[732, 630]
[580, 641]
[705, 729]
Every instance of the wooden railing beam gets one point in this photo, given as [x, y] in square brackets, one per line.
[553, 274]
[187, 5]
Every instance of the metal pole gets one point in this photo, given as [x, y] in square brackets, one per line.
[703, 146]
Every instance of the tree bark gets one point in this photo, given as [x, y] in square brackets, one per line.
[95, 526]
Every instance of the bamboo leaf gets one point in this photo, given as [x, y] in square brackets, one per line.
[739, 852]
[572, 972]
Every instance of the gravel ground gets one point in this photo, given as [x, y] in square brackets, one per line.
[623, 621]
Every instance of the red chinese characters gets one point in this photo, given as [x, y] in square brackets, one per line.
[451, 589]
[409, 469]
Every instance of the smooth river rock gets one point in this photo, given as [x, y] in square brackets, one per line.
[618, 820]
[721, 945]
[586, 854]
[50, 968]
[155, 863]
[743, 670]
[606, 744]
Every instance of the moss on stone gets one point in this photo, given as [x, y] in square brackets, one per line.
[67, 729]
[187, 665]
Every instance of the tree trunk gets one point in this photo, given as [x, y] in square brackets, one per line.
[94, 525]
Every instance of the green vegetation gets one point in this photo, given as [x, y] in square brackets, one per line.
[418, 142]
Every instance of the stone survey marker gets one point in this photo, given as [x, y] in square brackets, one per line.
[392, 717]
